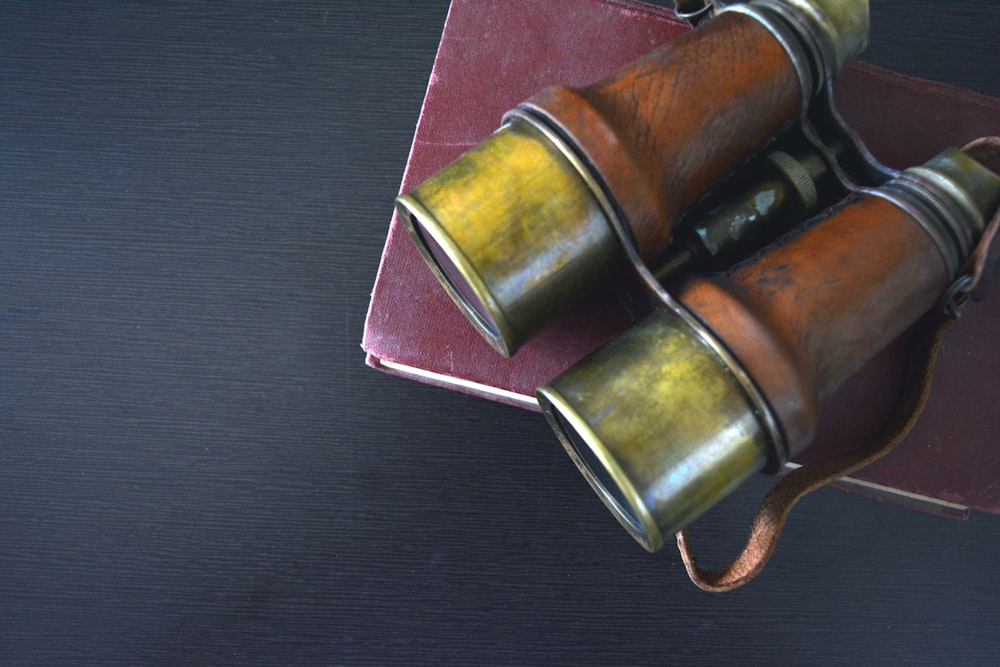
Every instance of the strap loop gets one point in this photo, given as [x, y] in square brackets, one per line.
[954, 299]
[694, 11]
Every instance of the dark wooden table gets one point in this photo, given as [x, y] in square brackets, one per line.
[196, 467]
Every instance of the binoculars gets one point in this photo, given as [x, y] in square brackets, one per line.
[778, 255]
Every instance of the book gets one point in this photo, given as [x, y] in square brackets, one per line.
[494, 54]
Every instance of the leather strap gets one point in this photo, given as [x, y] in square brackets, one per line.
[778, 503]
[984, 151]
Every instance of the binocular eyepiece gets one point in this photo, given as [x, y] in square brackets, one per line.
[726, 374]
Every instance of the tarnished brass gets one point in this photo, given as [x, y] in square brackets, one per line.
[510, 229]
[662, 425]
[540, 212]
[658, 424]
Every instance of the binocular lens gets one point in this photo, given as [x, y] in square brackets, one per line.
[449, 269]
[596, 471]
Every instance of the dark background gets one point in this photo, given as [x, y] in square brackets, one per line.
[196, 467]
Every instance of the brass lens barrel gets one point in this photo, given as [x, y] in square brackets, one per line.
[509, 230]
[658, 424]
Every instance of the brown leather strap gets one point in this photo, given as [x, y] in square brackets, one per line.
[778, 503]
[984, 150]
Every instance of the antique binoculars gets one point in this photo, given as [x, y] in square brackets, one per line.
[688, 161]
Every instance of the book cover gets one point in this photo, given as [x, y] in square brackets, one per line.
[495, 53]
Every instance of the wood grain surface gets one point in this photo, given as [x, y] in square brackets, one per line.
[197, 468]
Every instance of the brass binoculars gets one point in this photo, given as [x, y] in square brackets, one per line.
[778, 254]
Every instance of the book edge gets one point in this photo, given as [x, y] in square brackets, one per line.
[882, 492]
[452, 382]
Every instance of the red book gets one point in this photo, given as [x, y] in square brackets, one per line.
[496, 53]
